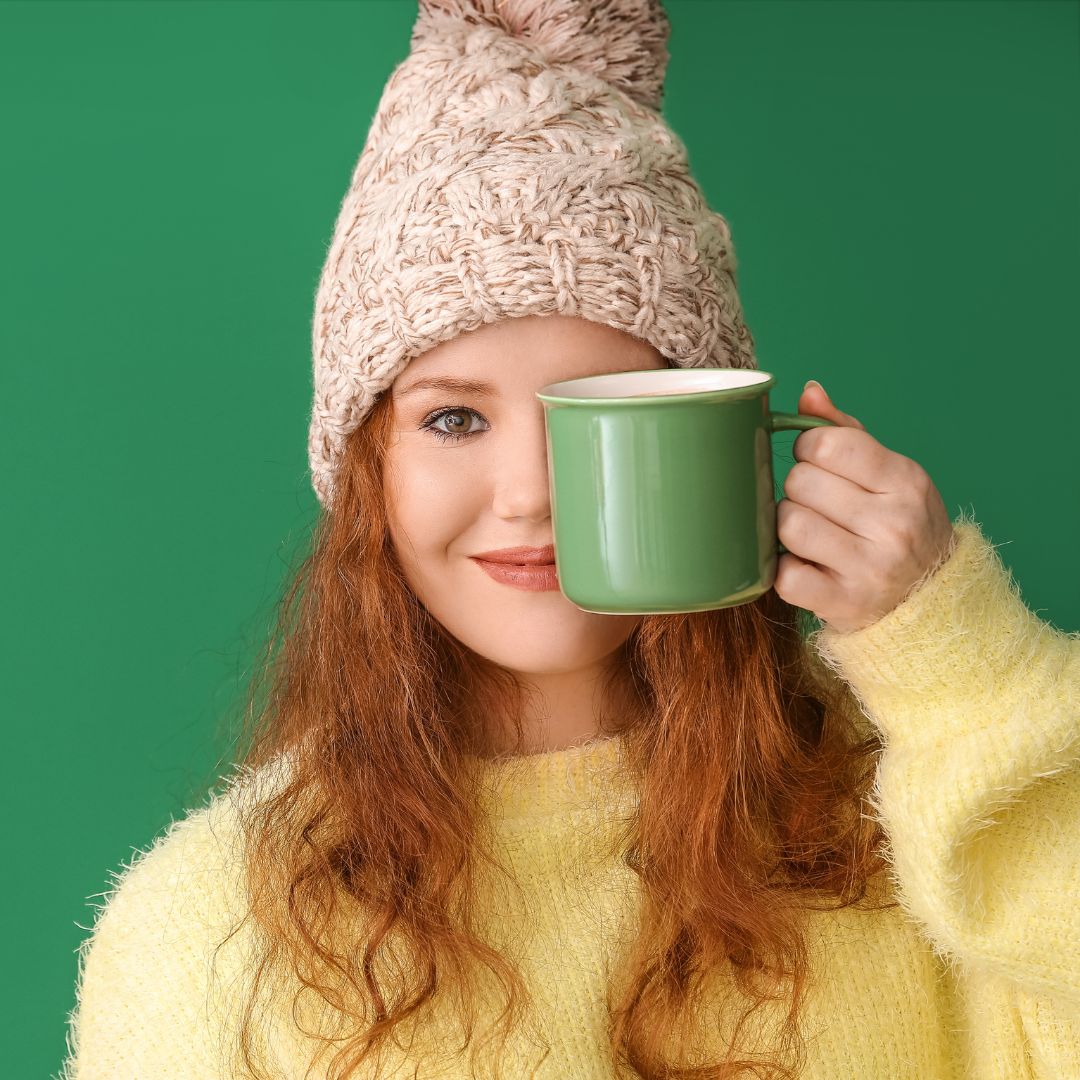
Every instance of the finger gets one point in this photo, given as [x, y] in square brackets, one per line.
[855, 455]
[842, 501]
[814, 588]
[813, 537]
[815, 401]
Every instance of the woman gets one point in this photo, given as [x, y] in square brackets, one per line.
[476, 830]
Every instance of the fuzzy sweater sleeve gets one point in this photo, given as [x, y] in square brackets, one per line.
[978, 785]
[142, 1002]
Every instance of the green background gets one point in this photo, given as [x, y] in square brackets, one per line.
[902, 184]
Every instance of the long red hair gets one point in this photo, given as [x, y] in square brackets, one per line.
[753, 765]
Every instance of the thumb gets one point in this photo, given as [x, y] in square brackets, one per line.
[814, 401]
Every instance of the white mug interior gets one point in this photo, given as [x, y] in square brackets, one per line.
[658, 382]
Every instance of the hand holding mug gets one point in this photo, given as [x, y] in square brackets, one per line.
[861, 523]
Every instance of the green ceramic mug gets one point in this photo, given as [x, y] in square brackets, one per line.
[661, 487]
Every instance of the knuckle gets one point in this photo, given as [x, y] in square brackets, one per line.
[808, 443]
[786, 580]
[902, 533]
[833, 446]
[791, 522]
[819, 444]
[917, 478]
[796, 477]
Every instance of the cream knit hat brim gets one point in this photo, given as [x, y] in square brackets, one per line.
[518, 165]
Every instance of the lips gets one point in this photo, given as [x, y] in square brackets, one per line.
[520, 556]
[534, 577]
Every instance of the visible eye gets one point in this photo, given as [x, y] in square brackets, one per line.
[439, 433]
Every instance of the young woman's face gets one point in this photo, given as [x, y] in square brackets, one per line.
[451, 498]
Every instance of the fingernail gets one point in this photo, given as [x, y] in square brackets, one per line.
[813, 382]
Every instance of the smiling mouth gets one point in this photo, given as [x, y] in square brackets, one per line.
[533, 577]
[517, 565]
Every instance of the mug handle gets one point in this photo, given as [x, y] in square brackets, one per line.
[785, 421]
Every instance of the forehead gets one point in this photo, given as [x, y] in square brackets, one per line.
[533, 350]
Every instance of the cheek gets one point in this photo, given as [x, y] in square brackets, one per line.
[430, 502]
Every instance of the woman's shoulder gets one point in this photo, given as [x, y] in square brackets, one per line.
[201, 850]
[188, 869]
[146, 966]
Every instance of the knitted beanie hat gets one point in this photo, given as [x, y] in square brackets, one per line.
[518, 165]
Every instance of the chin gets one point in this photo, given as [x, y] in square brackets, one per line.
[545, 647]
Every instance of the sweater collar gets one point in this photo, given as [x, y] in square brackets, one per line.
[536, 786]
[531, 787]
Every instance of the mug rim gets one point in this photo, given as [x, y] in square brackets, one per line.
[577, 391]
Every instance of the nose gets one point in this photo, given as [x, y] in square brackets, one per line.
[521, 478]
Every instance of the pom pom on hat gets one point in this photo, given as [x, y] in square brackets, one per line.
[624, 42]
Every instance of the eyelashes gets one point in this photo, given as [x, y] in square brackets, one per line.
[453, 436]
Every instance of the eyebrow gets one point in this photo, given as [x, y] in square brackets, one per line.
[451, 386]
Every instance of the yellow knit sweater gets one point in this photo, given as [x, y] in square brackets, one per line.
[976, 975]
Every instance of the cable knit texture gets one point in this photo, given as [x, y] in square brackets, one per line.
[518, 165]
[976, 976]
